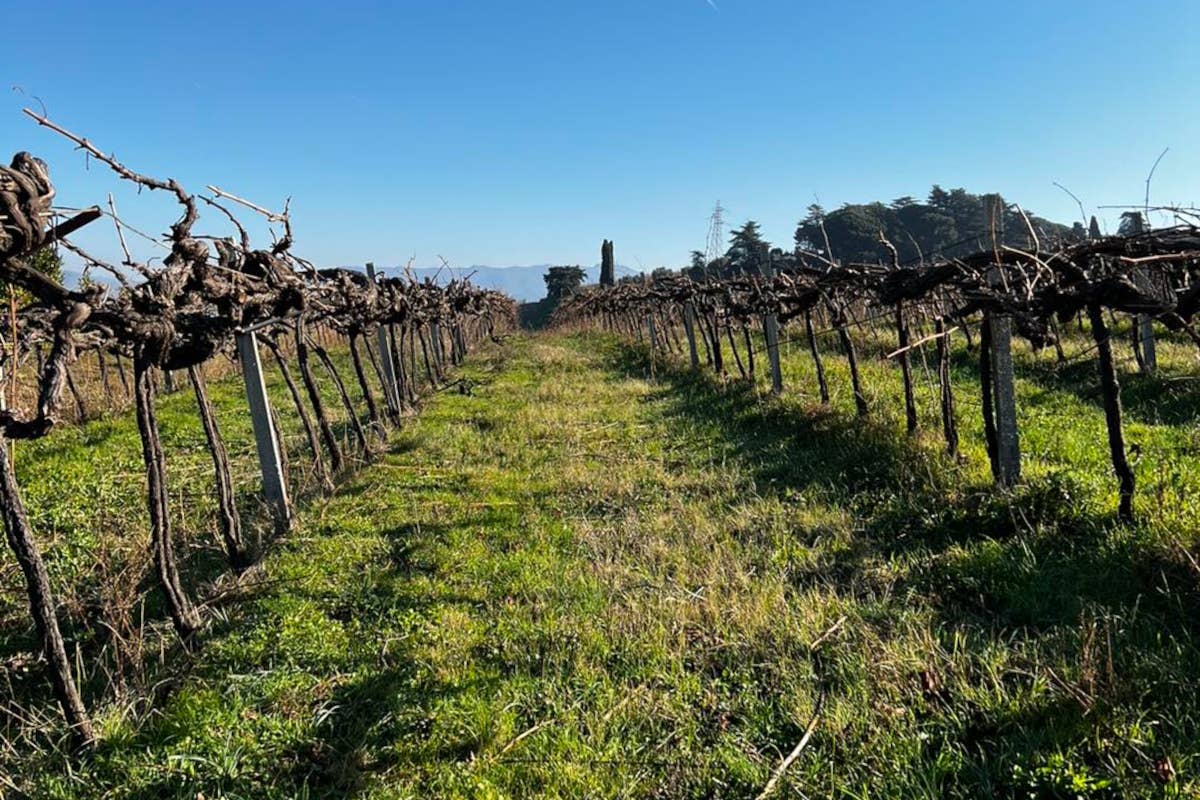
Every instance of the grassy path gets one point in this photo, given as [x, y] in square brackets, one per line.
[578, 582]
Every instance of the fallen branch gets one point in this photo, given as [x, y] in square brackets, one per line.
[796, 751]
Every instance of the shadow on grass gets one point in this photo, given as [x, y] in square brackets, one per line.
[165, 665]
[1170, 397]
[1162, 399]
[371, 711]
[906, 494]
[374, 704]
[784, 450]
[1008, 566]
[373, 715]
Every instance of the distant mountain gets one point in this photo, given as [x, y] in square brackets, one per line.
[71, 278]
[522, 283]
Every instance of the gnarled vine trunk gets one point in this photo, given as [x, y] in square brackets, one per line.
[309, 431]
[910, 403]
[860, 399]
[351, 412]
[365, 387]
[822, 384]
[41, 601]
[949, 426]
[183, 614]
[227, 514]
[429, 369]
[314, 397]
[1111, 391]
[987, 391]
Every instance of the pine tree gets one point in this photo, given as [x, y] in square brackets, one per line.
[747, 248]
[562, 282]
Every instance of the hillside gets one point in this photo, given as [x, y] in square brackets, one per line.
[521, 283]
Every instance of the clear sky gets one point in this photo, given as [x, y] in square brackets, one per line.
[526, 131]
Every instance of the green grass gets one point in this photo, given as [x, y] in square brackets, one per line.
[582, 580]
[84, 487]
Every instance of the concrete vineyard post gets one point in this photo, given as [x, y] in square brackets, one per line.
[1003, 390]
[386, 365]
[1008, 447]
[1145, 326]
[270, 460]
[1143, 337]
[771, 331]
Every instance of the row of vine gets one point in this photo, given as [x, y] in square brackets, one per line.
[183, 312]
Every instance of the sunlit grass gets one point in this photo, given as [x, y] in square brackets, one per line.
[584, 580]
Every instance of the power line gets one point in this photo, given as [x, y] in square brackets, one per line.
[716, 235]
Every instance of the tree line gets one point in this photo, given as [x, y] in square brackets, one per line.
[949, 223]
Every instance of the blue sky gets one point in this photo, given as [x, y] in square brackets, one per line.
[527, 131]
